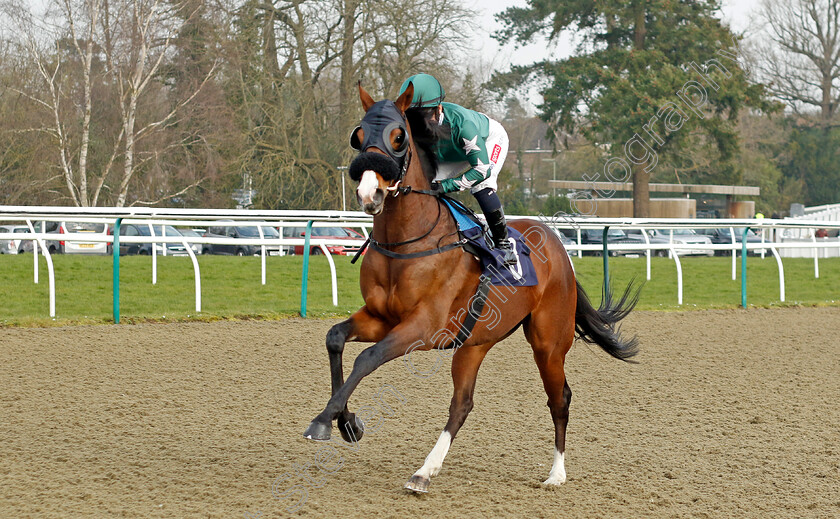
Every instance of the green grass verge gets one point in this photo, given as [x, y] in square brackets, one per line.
[231, 287]
[708, 283]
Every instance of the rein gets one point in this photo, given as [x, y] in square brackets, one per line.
[380, 247]
[411, 255]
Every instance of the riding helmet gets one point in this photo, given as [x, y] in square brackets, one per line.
[428, 92]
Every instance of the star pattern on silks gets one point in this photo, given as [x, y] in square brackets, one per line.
[470, 145]
[482, 167]
[464, 183]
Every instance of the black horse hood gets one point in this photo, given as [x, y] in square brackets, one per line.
[378, 123]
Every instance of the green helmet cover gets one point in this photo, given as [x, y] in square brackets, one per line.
[428, 92]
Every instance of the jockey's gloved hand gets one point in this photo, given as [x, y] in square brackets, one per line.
[437, 189]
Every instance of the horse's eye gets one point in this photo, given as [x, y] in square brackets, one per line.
[398, 138]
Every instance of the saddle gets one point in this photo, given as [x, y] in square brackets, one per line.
[478, 242]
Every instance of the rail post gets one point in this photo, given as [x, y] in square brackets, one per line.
[606, 261]
[305, 281]
[116, 255]
[743, 267]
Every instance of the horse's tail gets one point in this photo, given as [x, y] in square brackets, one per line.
[599, 326]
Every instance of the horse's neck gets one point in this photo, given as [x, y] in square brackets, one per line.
[406, 217]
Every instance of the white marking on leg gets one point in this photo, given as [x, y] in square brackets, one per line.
[434, 461]
[367, 186]
[557, 476]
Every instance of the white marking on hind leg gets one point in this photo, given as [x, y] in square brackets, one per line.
[434, 461]
[557, 476]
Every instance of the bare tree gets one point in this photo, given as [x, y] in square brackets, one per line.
[297, 66]
[115, 48]
[804, 67]
[420, 36]
[133, 64]
[124, 91]
[46, 55]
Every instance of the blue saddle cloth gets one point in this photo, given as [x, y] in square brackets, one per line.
[523, 274]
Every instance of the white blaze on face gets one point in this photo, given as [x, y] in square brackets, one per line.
[367, 186]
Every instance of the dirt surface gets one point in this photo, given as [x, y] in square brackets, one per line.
[728, 414]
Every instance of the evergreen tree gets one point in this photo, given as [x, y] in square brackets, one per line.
[649, 80]
[814, 157]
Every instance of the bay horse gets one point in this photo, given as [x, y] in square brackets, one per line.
[415, 278]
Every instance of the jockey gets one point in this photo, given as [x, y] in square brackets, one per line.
[469, 157]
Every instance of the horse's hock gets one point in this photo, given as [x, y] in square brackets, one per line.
[728, 414]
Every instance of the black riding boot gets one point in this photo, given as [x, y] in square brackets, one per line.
[498, 228]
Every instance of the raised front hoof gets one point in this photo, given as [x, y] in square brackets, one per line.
[353, 430]
[418, 484]
[318, 431]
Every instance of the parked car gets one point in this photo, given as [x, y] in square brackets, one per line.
[596, 237]
[245, 232]
[567, 237]
[331, 233]
[15, 246]
[680, 236]
[8, 246]
[142, 229]
[197, 248]
[566, 240]
[24, 245]
[19, 246]
[723, 235]
[78, 247]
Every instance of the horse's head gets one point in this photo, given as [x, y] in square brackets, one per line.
[383, 142]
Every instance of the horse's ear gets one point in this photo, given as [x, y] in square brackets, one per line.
[404, 101]
[367, 101]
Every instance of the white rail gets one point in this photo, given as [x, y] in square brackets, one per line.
[777, 229]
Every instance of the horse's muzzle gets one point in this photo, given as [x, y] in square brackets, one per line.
[370, 194]
[372, 206]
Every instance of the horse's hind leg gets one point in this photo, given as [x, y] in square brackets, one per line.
[360, 326]
[551, 338]
[465, 364]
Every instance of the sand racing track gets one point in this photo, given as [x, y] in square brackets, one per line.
[728, 414]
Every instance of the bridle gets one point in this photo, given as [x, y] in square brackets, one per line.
[376, 138]
[395, 188]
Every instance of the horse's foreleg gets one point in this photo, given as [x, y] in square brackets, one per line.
[361, 327]
[465, 364]
[395, 344]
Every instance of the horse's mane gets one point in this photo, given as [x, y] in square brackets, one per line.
[426, 136]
